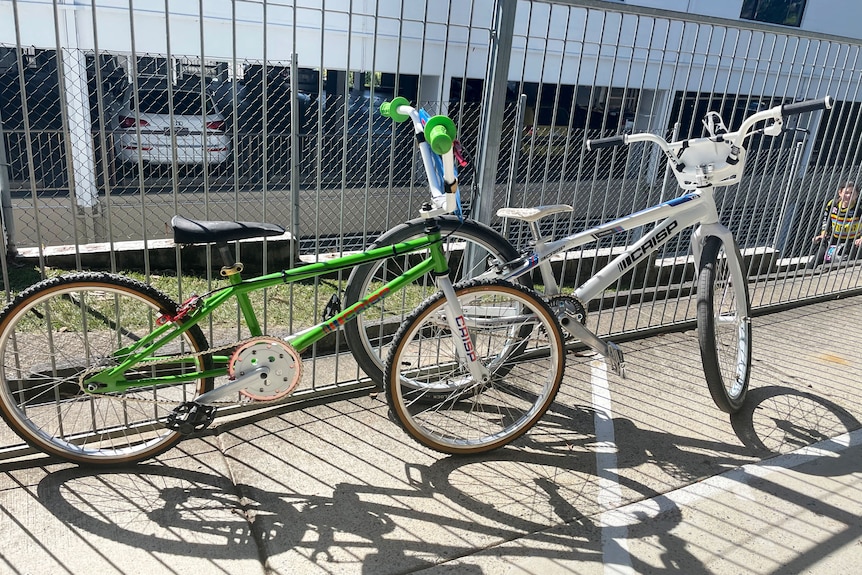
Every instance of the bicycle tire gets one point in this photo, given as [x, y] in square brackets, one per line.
[59, 327]
[369, 336]
[723, 326]
[433, 396]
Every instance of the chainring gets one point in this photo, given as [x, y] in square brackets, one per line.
[570, 306]
[285, 368]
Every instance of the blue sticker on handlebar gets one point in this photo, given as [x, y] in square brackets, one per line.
[438, 168]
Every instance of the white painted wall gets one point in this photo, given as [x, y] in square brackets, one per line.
[671, 54]
[320, 38]
[838, 17]
[414, 38]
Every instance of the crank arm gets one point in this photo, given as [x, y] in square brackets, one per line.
[234, 386]
[608, 350]
[580, 332]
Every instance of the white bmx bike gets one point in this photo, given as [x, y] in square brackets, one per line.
[723, 310]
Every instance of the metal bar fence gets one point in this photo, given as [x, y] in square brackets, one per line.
[116, 118]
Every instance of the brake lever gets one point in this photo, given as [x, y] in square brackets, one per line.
[771, 131]
[774, 129]
[461, 156]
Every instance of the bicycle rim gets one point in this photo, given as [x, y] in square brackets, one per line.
[475, 248]
[724, 327]
[62, 327]
[431, 391]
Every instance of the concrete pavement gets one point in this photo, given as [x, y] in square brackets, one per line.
[636, 475]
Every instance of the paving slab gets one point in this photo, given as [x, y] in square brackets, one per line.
[635, 475]
[795, 513]
[181, 514]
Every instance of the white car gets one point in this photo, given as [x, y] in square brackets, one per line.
[200, 136]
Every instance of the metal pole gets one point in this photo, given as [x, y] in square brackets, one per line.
[75, 112]
[493, 104]
[778, 242]
[295, 122]
[6, 197]
[513, 164]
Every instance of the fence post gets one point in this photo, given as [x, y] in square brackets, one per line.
[6, 197]
[493, 105]
[75, 106]
[788, 210]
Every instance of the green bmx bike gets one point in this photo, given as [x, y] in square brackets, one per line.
[98, 368]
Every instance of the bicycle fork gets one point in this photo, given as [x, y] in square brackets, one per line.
[457, 323]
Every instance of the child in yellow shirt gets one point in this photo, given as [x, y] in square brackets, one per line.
[841, 228]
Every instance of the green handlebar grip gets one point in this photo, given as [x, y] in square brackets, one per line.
[390, 109]
[440, 132]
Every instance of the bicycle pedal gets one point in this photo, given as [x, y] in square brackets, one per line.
[189, 417]
[615, 359]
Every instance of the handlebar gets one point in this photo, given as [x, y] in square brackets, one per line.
[392, 109]
[808, 106]
[435, 135]
[777, 115]
[606, 142]
[439, 131]
[718, 159]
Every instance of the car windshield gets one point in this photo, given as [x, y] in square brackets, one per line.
[185, 103]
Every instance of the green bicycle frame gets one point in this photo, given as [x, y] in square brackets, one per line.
[112, 380]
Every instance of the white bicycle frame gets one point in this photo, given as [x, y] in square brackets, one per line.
[673, 216]
[700, 165]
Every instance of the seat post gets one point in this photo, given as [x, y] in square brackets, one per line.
[229, 264]
[537, 234]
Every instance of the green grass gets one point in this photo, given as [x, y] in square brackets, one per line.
[21, 278]
[284, 308]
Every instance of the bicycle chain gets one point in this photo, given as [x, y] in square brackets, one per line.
[173, 359]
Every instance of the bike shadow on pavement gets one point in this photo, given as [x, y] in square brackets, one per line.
[542, 492]
[777, 419]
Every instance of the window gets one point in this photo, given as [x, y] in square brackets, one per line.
[784, 12]
[155, 66]
[185, 103]
[839, 137]
[593, 108]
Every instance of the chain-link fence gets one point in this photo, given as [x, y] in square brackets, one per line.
[113, 119]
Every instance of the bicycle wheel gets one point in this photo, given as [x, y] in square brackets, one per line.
[471, 247]
[432, 393]
[60, 327]
[723, 325]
